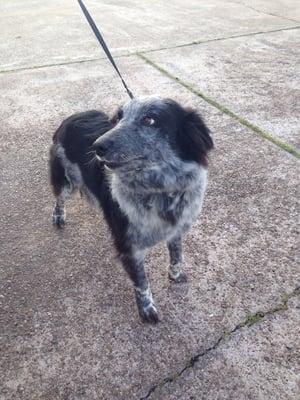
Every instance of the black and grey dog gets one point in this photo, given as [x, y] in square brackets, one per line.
[146, 167]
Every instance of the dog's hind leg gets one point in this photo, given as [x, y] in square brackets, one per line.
[134, 266]
[176, 261]
[62, 189]
[59, 210]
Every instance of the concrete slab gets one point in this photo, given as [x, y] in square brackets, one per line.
[260, 362]
[280, 8]
[35, 32]
[255, 77]
[69, 325]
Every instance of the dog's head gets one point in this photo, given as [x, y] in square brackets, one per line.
[151, 132]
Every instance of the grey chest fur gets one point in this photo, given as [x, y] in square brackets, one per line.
[155, 217]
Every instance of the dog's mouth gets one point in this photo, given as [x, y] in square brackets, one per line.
[113, 164]
[110, 164]
[118, 164]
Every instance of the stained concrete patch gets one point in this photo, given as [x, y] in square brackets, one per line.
[35, 32]
[255, 77]
[70, 329]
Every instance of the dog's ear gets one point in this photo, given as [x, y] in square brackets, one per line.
[194, 137]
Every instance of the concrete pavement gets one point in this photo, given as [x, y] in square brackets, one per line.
[69, 327]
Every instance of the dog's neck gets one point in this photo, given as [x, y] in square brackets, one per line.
[151, 189]
[157, 214]
[166, 179]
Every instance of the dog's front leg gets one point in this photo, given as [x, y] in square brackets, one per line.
[176, 260]
[134, 266]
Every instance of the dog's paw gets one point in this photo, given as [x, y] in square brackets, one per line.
[146, 306]
[179, 277]
[58, 216]
[149, 314]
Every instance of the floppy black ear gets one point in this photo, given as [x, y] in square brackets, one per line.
[194, 137]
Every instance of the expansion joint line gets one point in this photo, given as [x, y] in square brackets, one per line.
[260, 132]
[150, 50]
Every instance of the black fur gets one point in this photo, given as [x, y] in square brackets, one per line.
[77, 135]
[176, 137]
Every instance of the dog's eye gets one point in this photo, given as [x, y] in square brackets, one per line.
[116, 120]
[117, 117]
[148, 121]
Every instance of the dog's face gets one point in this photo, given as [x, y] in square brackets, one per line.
[151, 132]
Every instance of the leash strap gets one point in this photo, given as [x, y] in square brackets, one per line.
[103, 44]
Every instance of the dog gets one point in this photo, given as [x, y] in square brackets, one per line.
[146, 167]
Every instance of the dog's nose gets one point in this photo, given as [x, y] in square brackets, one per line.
[102, 146]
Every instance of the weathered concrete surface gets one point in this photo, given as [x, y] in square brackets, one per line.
[279, 8]
[258, 362]
[37, 33]
[69, 327]
[256, 77]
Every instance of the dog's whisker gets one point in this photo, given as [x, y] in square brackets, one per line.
[91, 162]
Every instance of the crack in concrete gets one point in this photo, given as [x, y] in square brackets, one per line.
[196, 42]
[264, 12]
[260, 132]
[134, 53]
[250, 320]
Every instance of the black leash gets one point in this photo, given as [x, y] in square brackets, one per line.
[103, 44]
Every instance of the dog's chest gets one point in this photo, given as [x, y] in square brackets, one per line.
[156, 217]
